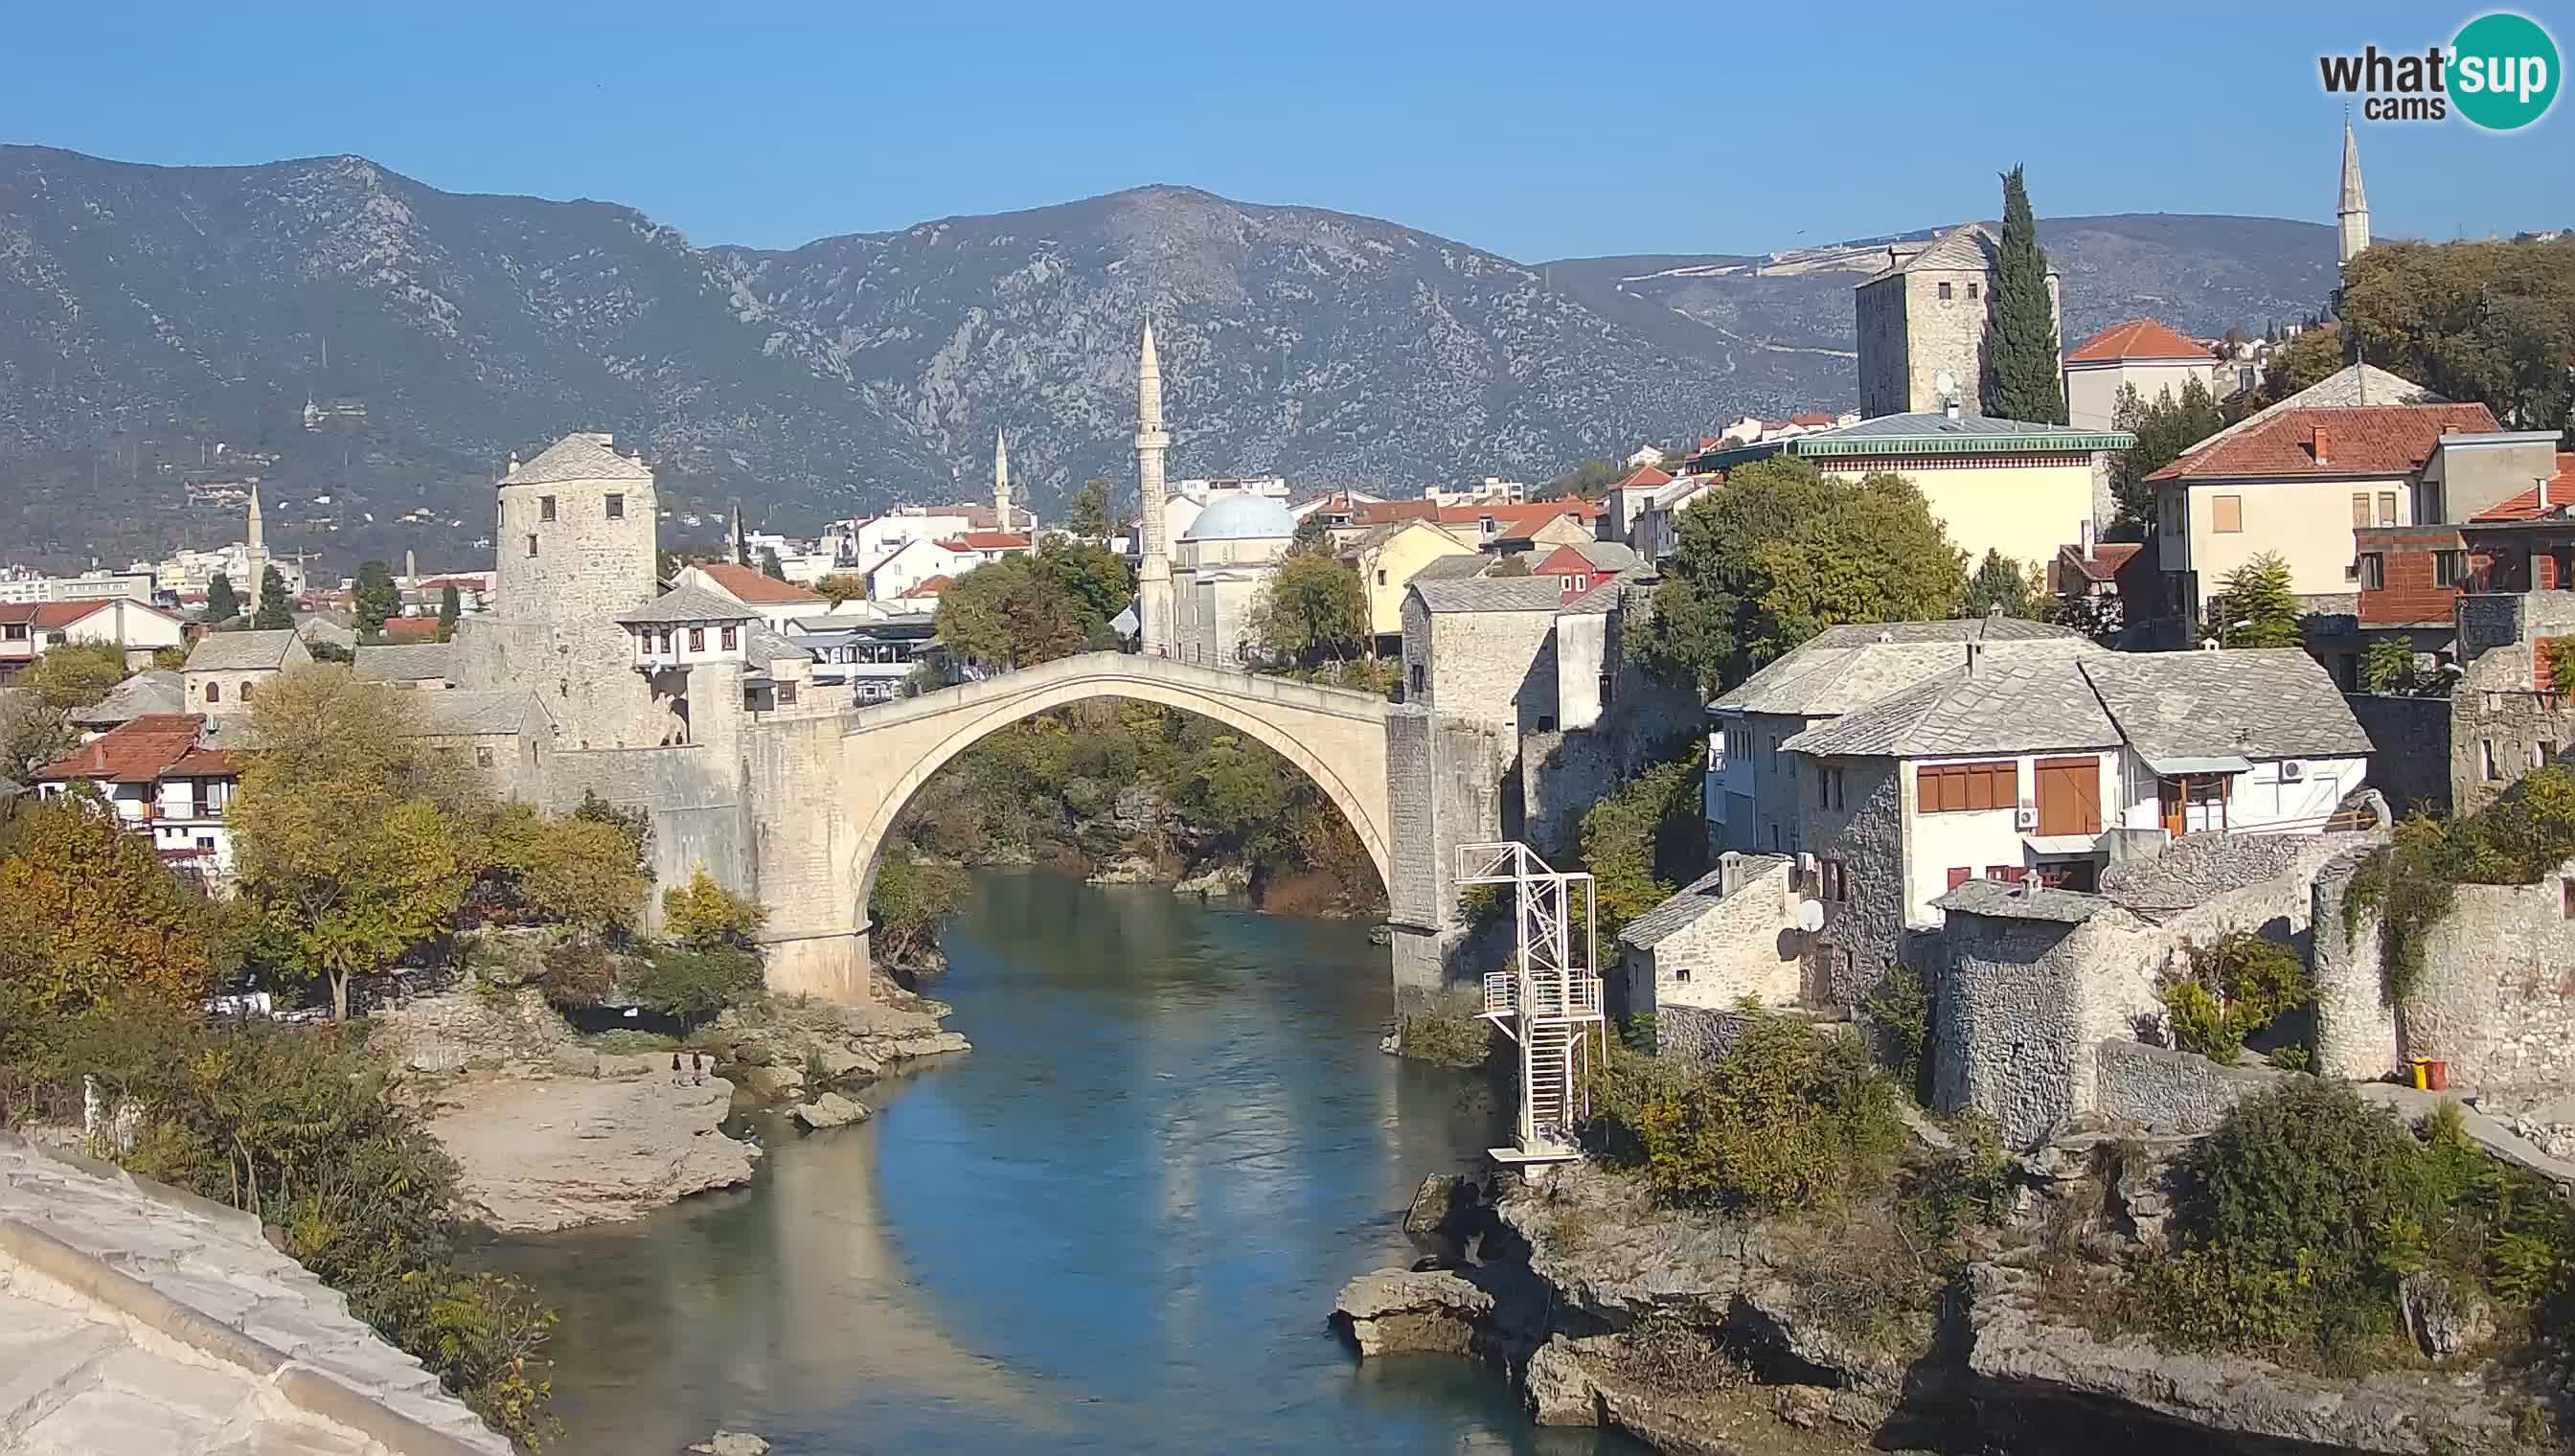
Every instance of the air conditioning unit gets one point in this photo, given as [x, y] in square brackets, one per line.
[2291, 771]
[2025, 817]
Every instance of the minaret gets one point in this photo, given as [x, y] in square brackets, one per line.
[2352, 212]
[254, 555]
[1153, 571]
[741, 546]
[1000, 480]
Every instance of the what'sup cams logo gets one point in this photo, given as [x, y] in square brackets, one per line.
[2500, 72]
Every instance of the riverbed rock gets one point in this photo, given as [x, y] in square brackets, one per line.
[1441, 1218]
[732, 1443]
[550, 1153]
[1126, 869]
[1218, 880]
[2015, 1353]
[1399, 1312]
[1556, 1388]
[785, 1080]
[830, 1110]
[2443, 1318]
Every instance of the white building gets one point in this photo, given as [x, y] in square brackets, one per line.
[1224, 563]
[162, 782]
[913, 563]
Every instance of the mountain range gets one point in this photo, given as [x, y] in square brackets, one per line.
[148, 314]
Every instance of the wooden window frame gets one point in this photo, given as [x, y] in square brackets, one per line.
[2222, 507]
[1966, 788]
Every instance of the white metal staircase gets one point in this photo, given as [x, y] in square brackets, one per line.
[1548, 1002]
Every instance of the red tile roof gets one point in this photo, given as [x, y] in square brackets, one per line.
[1520, 520]
[929, 588]
[751, 588]
[204, 763]
[411, 628]
[2360, 440]
[137, 751]
[2137, 338]
[2526, 507]
[52, 615]
[2105, 563]
[1811, 421]
[1645, 477]
[987, 541]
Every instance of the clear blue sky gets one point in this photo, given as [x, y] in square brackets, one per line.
[1567, 130]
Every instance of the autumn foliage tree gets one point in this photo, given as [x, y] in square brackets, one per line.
[1314, 609]
[75, 674]
[100, 916]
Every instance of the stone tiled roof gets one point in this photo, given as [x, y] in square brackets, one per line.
[765, 648]
[1693, 900]
[1453, 568]
[2375, 440]
[1843, 668]
[2014, 705]
[686, 605]
[155, 689]
[2138, 339]
[235, 651]
[2251, 703]
[1608, 556]
[1491, 594]
[502, 711]
[1971, 247]
[2004, 901]
[579, 457]
[405, 662]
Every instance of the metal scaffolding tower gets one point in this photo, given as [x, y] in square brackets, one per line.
[1549, 1000]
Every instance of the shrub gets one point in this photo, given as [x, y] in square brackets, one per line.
[2237, 987]
[1899, 1016]
[2517, 839]
[907, 905]
[1783, 1119]
[2199, 1023]
[694, 985]
[704, 915]
[579, 973]
[1967, 1184]
[1447, 1036]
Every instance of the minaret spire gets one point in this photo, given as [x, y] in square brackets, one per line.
[1153, 569]
[253, 550]
[1000, 480]
[2351, 211]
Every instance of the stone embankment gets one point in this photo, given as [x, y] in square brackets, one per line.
[1702, 1333]
[552, 1133]
[138, 1320]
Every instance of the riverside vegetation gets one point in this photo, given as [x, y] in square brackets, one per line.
[360, 852]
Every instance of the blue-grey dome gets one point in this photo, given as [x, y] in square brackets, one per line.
[1242, 517]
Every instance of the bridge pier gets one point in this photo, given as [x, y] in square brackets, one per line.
[832, 966]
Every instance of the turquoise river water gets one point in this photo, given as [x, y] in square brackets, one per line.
[1116, 1226]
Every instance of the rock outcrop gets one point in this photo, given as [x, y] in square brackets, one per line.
[830, 1110]
[551, 1152]
[1398, 1310]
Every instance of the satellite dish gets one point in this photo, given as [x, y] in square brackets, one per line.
[1944, 384]
[1810, 915]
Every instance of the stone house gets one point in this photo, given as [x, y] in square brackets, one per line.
[1922, 321]
[1631, 499]
[2143, 354]
[2050, 768]
[226, 670]
[1726, 937]
[165, 781]
[1387, 558]
[2016, 486]
[1752, 799]
[411, 667]
[501, 733]
[154, 690]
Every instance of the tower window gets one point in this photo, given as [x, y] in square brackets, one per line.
[214, 692]
[1944, 293]
[616, 508]
[245, 693]
[697, 639]
[544, 507]
[532, 543]
[1972, 291]
[730, 642]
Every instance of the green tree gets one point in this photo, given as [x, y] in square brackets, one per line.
[1092, 579]
[75, 674]
[1784, 551]
[2488, 322]
[1316, 607]
[770, 565]
[842, 587]
[1591, 480]
[276, 608]
[2166, 429]
[106, 918]
[1644, 842]
[2021, 363]
[326, 651]
[33, 733]
[906, 906]
[1025, 609]
[2388, 665]
[1087, 513]
[1312, 533]
[221, 606]
[2303, 363]
[377, 598]
[704, 915]
[2257, 608]
[1998, 585]
[449, 608]
[345, 849]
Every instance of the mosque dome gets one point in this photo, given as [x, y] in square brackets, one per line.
[1242, 517]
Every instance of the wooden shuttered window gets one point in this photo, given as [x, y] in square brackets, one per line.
[1949, 787]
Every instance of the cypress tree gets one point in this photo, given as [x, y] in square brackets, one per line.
[449, 608]
[2022, 380]
[221, 604]
[276, 609]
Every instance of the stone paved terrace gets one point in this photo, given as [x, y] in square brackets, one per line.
[137, 1320]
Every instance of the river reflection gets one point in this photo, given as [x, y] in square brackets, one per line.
[1116, 1224]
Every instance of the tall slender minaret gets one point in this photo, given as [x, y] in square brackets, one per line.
[1000, 480]
[2352, 212]
[1153, 571]
[254, 555]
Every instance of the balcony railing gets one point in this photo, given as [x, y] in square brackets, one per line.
[1549, 996]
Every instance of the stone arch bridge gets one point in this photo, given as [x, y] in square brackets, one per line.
[827, 792]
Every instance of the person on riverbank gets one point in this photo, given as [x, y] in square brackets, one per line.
[678, 1077]
[698, 1062]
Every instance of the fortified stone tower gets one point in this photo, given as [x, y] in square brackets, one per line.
[1153, 571]
[578, 543]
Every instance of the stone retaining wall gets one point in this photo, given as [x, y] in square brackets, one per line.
[2166, 1090]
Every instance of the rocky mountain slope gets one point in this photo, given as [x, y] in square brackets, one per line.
[148, 312]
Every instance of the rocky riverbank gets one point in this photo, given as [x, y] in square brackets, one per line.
[1700, 1333]
[553, 1129]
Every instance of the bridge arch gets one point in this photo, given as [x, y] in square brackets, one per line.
[1336, 738]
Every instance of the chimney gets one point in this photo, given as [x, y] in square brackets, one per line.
[1954, 406]
[2324, 448]
[1974, 650]
[2085, 533]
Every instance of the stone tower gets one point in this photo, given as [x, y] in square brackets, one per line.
[579, 541]
[1153, 571]
[1000, 480]
[2351, 212]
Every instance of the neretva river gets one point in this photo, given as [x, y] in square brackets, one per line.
[1116, 1224]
